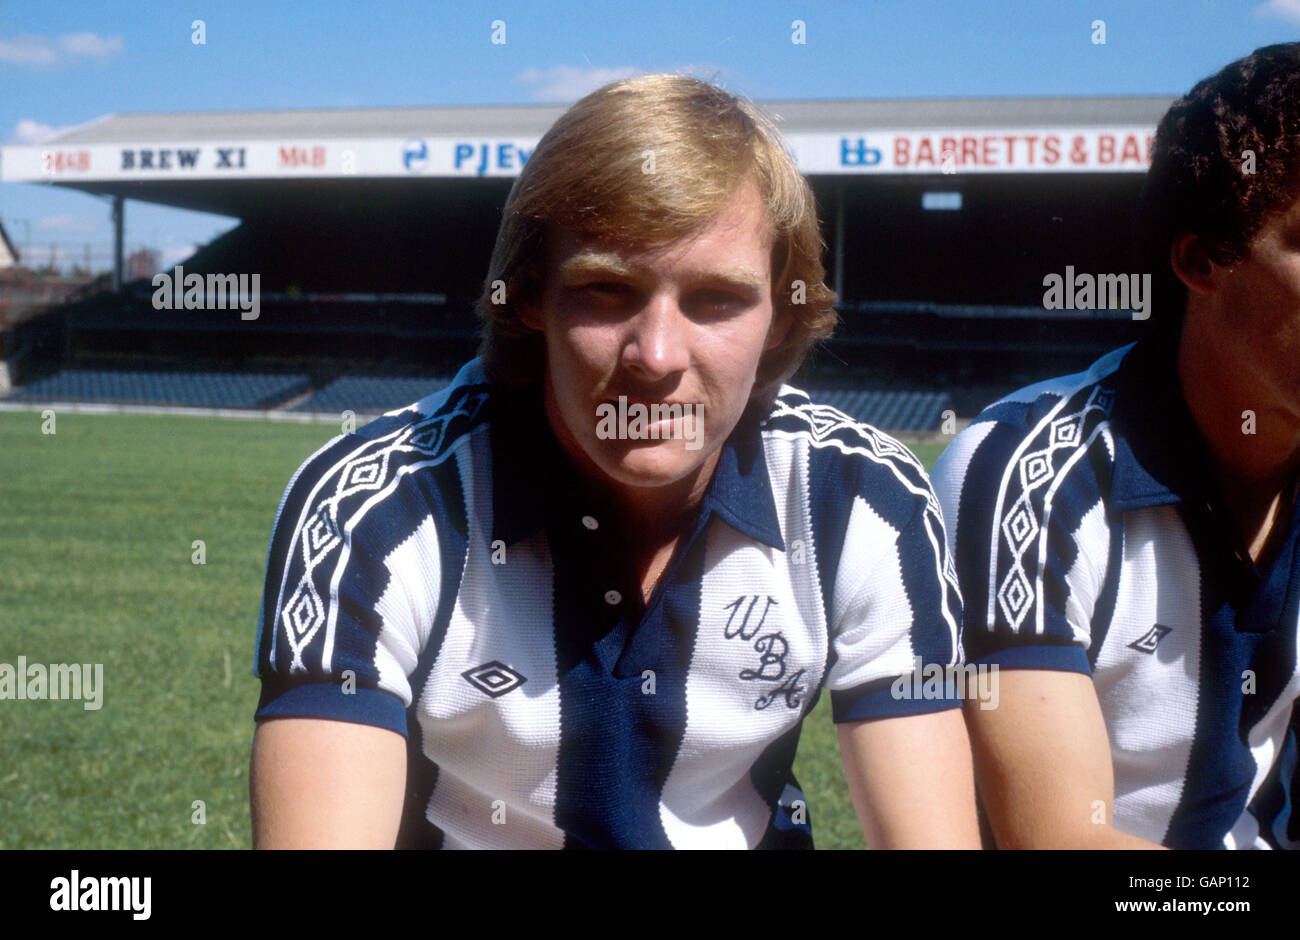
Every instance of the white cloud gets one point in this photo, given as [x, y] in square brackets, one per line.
[31, 132]
[35, 50]
[565, 83]
[1285, 9]
[27, 50]
[66, 222]
[91, 46]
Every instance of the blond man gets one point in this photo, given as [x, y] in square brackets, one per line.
[586, 595]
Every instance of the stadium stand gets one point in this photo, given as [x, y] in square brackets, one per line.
[888, 410]
[193, 389]
[896, 410]
[367, 274]
[369, 394]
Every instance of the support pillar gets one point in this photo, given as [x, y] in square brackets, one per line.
[118, 216]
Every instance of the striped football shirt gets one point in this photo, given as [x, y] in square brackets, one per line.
[1088, 538]
[442, 574]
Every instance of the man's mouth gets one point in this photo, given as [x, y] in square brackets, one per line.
[649, 407]
[647, 403]
[650, 419]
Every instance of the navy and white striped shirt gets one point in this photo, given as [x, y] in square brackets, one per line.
[440, 573]
[1088, 538]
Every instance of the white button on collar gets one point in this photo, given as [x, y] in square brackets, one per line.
[590, 522]
[612, 598]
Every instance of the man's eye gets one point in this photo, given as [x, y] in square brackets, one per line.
[606, 291]
[716, 302]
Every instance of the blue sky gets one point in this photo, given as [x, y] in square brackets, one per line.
[64, 63]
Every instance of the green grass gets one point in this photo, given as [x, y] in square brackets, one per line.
[97, 523]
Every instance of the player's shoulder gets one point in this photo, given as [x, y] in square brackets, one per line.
[847, 456]
[1057, 399]
[1034, 428]
[380, 458]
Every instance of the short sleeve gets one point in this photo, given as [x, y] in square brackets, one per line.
[1030, 539]
[341, 622]
[895, 611]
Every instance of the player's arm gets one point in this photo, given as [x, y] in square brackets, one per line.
[1042, 755]
[321, 784]
[328, 766]
[1042, 759]
[896, 611]
[910, 780]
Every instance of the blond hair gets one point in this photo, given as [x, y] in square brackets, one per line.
[643, 162]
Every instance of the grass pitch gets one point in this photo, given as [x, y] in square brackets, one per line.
[97, 529]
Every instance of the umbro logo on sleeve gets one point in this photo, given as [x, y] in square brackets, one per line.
[1147, 642]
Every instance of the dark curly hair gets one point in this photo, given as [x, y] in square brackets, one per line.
[1200, 179]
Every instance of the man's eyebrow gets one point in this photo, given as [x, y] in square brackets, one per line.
[602, 263]
[589, 263]
[742, 278]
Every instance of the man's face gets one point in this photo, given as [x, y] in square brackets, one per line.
[1259, 323]
[682, 325]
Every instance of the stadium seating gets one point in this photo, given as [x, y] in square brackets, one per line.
[888, 410]
[895, 410]
[194, 389]
[371, 394]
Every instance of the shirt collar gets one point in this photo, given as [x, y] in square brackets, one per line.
[531, 473]
[1159, 456]
[741, 491]
[525, 462]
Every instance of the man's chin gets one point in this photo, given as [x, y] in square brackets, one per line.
[649, 464]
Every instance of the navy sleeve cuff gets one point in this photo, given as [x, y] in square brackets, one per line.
[328, 700]
[891, 697]
[1059, 658]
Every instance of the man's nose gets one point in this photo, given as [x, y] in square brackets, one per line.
[657, 344]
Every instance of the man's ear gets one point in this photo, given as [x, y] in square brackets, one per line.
[1192, 264]
[530, 315]
[782, 320]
